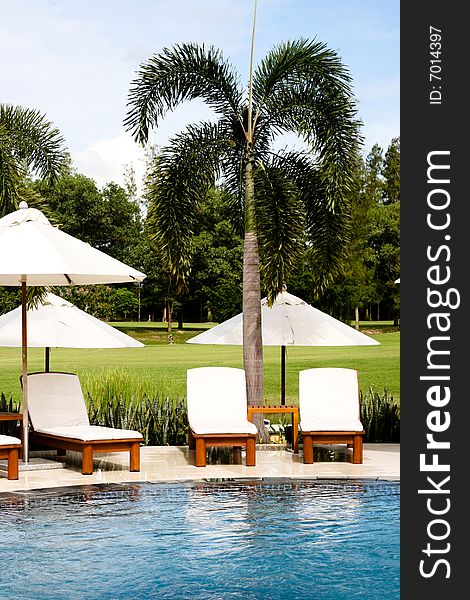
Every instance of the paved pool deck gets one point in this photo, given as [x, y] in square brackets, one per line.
[176, 463]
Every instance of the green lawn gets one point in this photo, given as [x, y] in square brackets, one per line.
[167, 364]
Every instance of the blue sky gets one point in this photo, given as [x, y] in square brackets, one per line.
[75, 59]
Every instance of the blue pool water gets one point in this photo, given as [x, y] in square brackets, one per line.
[264, 540]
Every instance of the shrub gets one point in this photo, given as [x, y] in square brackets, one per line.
[380, 416]
[117, 399]
[9, 427]
[7, 405]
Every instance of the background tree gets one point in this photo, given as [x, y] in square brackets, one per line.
[76, 204]
[391, 173]
[367, 282]
[282, 197]
[109, 220]
[29, 145]
[365, 288]
[384, 235]
[215, 282]
[371, 180]
[355, 287]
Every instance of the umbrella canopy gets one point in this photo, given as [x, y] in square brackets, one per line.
[290, 321]
[57, 323]
[32, 248]
[34, 253]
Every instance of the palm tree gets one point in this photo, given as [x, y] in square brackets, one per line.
[287, 199]
[29, 144]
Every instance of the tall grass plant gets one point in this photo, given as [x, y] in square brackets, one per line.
[166, 365]
[116, 398]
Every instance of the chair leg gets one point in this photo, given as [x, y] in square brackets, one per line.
[134, 457]
[237, 455]
[200, 452]
[308, 449]
[295, 433]
[87, 460]
[251, 452]
[357, 450]
[191, 442]
[13, 463]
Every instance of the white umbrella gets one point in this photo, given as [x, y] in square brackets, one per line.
[33, 253]
[290, 321]
[57, 323]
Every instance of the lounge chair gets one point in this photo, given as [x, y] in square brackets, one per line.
[59, 418]
[217, 412]
[9, 448]
[329, 410]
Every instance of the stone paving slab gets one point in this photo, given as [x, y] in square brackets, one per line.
[176, 463]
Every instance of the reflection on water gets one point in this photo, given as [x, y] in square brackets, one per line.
[233, 456]
[262, 539]
[224, 456]
[322, 454]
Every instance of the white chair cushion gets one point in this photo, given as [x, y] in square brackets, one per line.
[8, 440]
[56, 400]
[215, 427]
[91, 432]
[329, 400]
[217, 402]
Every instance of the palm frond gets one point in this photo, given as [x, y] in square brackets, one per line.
[279, 226]
[34, 198]
[303, 87]
[184, 72]
[297, 63]
[234, 159]
[327, 228]
[29, 144]
[11, 174]
[328, 238]
[179, 181]
[34, 140]
[35, 296]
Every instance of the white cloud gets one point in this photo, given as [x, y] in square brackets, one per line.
[105, 160]
[74, 61]
[379, 132]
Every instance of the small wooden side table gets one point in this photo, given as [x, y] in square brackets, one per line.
[11, 416]
[292, 410]
[14, 416]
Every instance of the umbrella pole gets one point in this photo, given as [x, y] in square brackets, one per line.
[283, 375]
[24, 367]
[46, 364]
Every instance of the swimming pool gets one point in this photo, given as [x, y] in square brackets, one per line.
[328, 540]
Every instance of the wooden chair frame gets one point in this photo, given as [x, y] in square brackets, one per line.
[200, 443]
[89, 447]
[10, 452]
[352, 438]
[219, 393]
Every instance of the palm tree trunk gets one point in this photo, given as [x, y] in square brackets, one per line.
[252, 341]
[252, 337]
[169, 308]
[169, 321]
[252, 345]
